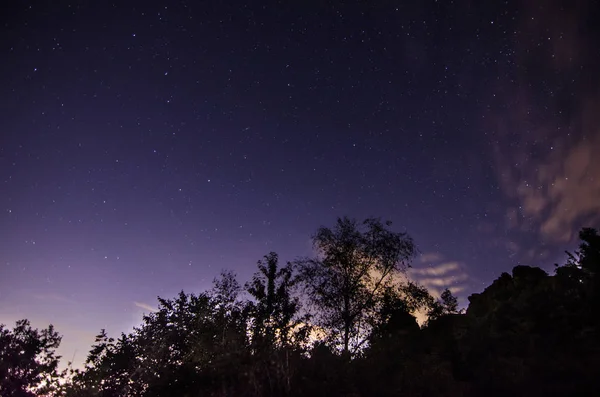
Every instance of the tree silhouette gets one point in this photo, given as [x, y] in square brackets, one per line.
[528, 333]
[277, 332]
[193, 345]
[109, 369]
[28, 360]
[449, 302]
[345, 282]
[274, 310]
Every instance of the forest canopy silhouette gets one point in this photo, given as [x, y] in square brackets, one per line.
[341, 323]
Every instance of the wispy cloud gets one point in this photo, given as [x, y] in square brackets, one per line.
[512, 246]
[559, 193]
[145, 306]
[546, 146]
[437, 277]
[430, 257]
[456, 290]
[438, 270]
[443, 282]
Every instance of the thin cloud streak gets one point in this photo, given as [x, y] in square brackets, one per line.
[145, 306]
[436, 278]
[438, 270]
[430, 257]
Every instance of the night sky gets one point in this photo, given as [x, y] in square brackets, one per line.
[145, 146]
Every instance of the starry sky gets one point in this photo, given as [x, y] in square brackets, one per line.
[145, 146]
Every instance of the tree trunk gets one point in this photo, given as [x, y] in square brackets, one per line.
[346, 325]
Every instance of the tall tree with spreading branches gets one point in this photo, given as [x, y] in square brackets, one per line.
[354, 267]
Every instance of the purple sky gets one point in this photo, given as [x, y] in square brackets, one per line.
[146, 146]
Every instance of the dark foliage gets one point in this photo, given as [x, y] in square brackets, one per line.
[28, 362]
[528, 333]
